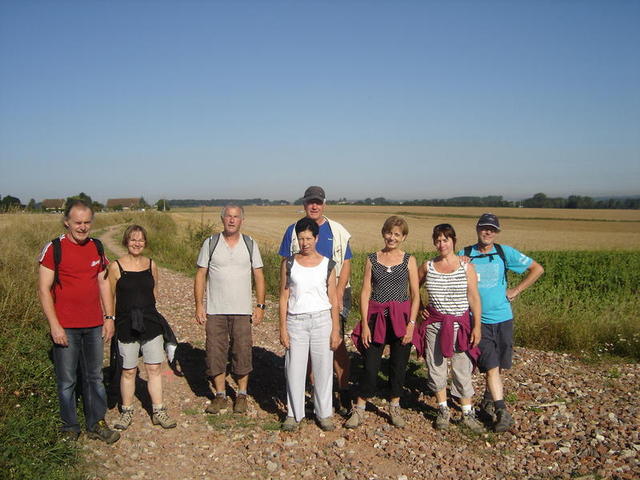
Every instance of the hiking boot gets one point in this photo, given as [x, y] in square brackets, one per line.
[290, 425]
[395, 412]
[125, 419]
[442, 419]
[326, 424]
[343, 403]
[101, 431]
[240, 406]
[357, 418]
[217, 405]
[160, 417]
[504, 421]
[69, 436]
[488, 410]
[470, 421]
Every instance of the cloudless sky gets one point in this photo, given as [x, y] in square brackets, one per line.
[400, 99]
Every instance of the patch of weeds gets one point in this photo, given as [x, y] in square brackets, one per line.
[191, 411]
[226, 421]
[220, 421]
[511, 397]
[614, 372]
[535, 410]
[271, 425]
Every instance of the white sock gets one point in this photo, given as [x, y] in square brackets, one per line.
[157, 407]
[443, 404]
[466, 409]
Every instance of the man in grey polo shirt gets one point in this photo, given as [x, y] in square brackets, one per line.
[225, 264]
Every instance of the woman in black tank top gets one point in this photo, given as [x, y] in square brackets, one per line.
[139, 326]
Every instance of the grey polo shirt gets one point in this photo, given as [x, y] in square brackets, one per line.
[229, 279]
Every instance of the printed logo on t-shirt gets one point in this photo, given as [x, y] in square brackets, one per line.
[95, 262]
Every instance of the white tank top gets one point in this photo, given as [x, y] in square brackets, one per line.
[308, 288]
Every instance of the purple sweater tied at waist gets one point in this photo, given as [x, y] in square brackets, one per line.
[463, 338]
[399, 313]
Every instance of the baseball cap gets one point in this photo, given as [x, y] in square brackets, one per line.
[313, 193]
[488, 220]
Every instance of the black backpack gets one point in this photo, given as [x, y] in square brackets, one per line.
[289, 263]
[57, 258]
[499, 251]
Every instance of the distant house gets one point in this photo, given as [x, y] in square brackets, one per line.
[124, 203]
[53, 204]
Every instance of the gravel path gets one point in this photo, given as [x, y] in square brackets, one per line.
[573, 421]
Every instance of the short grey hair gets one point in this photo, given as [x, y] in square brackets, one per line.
[232, 205]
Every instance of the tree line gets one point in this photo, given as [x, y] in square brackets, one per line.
[539, 200]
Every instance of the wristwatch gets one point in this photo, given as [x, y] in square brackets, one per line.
[261, 305]
[109, 317]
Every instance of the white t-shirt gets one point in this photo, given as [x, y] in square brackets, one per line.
[308, 288]
[229, 280]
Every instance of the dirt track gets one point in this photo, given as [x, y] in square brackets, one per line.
[573, 420]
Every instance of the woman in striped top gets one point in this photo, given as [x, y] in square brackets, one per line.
[450, 331]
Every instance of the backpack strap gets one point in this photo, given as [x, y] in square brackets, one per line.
[57, 258]
[213, 243]
[100, 249]
[330, 266]
[289, 264]
[248, 241]
[501, 254]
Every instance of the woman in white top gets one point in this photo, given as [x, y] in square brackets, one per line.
[309, 326]
[451, 331]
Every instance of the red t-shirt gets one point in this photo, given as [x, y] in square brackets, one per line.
[77, 299]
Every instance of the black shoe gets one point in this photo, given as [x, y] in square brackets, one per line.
[504, 421]
[101, 431]
[344, 403]
[487, 411]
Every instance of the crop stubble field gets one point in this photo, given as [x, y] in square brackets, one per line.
[526, 229]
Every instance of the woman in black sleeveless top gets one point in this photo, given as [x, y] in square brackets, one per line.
[139, 326]
[388, 308]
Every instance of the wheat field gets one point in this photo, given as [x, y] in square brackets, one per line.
[526, 229]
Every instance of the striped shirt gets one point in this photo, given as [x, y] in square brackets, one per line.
[447, 291]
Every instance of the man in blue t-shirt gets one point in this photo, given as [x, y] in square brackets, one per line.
[333, 243]
[491, 261]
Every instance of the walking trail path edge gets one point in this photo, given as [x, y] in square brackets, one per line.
[574, 420]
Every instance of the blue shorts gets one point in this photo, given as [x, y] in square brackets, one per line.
[496, 346]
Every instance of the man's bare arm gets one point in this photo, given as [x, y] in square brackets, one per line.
[45, 282]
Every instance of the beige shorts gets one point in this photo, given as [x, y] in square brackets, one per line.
[152, 352]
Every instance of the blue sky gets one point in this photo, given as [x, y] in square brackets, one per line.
[400, 99]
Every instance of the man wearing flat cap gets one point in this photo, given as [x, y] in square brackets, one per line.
[492, 261]
[333, 243]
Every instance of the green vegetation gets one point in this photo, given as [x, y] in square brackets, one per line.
[29, 418]
[28, 400]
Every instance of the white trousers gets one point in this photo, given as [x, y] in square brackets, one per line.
[309, 333]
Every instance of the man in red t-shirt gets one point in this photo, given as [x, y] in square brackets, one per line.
[74, 308]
